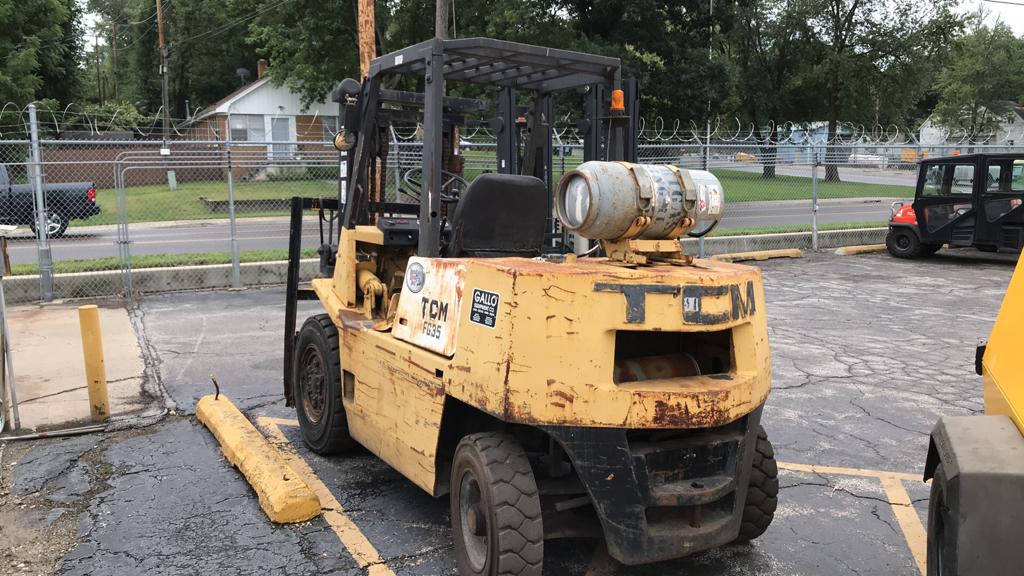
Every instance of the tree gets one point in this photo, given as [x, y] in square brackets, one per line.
[39, 50]
[766, 47]
[311, 45]
[875, 58]
[665, 45]
[985, 75]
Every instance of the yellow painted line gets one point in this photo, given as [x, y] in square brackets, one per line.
[838, 470]
[759, 255]
[351, 537]
[862, 249]
[909, 521]
[899, 501]
[282, 493]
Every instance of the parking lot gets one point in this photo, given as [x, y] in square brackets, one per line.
[868, 352]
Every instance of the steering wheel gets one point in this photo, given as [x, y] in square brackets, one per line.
[452, 185]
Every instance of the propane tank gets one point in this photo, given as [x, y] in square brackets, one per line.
[621, 200]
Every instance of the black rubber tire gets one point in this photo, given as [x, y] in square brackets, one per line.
[762, 490]
[942, 552]
[513, 542]
[323, 424]
[903, 242]
[62, 224]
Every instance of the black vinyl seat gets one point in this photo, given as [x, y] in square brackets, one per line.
[500, 215]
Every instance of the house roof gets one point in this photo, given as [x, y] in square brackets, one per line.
[222, 106]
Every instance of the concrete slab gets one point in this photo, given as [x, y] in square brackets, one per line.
[46, 349]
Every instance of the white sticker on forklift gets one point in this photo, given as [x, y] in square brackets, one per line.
[484, 310]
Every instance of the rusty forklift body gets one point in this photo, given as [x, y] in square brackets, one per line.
[550, 395]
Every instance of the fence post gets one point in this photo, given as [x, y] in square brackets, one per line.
[8, 389]
[814, 203]
[39, 202]
[123, 240]
[236, 270]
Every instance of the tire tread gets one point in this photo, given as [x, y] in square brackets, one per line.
[762, 490]
[517, 503]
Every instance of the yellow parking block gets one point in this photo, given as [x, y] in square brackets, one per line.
[862, 249]
[759, 255]
[283, 494]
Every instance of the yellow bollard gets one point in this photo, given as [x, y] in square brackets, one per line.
[95, 369]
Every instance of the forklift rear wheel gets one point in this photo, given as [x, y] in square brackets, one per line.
[904, 243]
[762, 490]
[318, 381]
[941, 548]
[495, 508]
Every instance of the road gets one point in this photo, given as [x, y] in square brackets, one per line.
[795, 212]
[202, 236]
[199, 236]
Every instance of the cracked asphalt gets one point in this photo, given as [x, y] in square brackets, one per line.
[867, 352]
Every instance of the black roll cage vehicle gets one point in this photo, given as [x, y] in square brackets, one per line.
[971, 200]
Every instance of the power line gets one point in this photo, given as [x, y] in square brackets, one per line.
[232, 23]
[1004, 2]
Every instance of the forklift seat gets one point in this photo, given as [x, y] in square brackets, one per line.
[500, 215]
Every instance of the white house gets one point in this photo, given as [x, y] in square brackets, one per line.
[274, 116]
[1009, 133]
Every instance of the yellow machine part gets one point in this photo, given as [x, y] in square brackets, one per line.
[546, 354]
[1003, 362]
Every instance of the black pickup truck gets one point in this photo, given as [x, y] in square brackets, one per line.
[64, 202]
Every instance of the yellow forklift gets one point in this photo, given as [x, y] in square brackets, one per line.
[976, 463]
[548, 394]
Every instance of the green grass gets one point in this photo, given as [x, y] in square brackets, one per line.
[157, 203]
[798, 228]
[159, 261]
[751, 186]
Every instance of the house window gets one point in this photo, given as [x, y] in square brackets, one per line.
[330, 127]
[247, 128]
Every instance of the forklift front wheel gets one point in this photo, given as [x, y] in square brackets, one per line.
[762, 490]
[317, 380]
[495, 508]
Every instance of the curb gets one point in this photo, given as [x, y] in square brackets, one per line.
[284, 496]
[827, 239]
[862, 249]
[759, 255]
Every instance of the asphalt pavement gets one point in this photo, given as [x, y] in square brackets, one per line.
[266, 233]
[868, 352]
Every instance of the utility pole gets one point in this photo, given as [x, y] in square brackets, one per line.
[99, 83]
[441, 19]
[367, 37]
[163, 70]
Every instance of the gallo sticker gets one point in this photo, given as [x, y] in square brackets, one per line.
[485, 308]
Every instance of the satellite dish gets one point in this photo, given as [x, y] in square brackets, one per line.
[244, 74]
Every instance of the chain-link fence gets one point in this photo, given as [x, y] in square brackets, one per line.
[123, 216]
